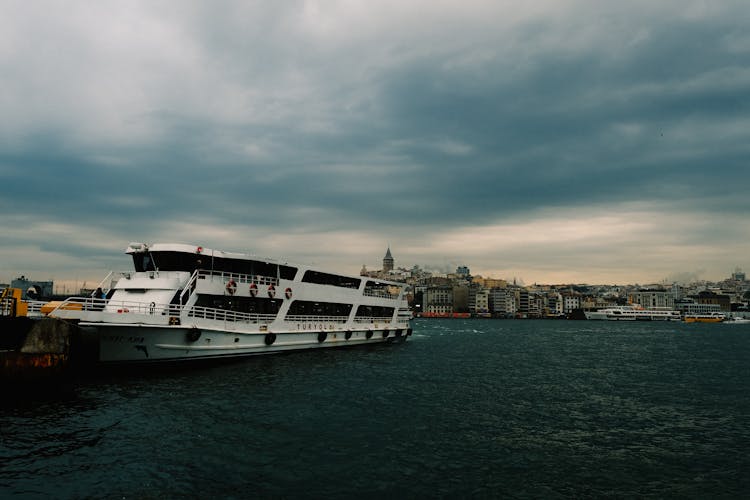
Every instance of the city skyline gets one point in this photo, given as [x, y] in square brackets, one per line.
[398, 268]
[550, 141]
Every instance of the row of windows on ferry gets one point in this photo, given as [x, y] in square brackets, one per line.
[262, 305]
[182, 261]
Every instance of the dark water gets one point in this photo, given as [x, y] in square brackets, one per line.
[466, 408]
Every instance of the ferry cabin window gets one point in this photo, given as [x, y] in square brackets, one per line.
[310, 308]
[184, 261]
[168, 261]
[142, 262]
[249, 305]
[379, 289]
[374, 312]
[330, 279]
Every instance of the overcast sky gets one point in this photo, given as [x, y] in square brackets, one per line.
[551, 141]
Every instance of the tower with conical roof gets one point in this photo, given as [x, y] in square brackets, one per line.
[388, 261]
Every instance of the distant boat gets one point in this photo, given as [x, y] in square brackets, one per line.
[712, 317]
[633, 313]
[737, 320]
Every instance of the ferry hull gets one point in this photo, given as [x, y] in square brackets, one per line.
[121, 344]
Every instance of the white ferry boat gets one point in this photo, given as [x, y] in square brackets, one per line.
[633, 313]
[187, 302]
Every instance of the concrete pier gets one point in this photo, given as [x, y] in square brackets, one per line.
[35, 349]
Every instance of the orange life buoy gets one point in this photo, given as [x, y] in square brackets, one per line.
[271, 291]
[199, 250]
[288, 293]
[231, 287]
[253, 289]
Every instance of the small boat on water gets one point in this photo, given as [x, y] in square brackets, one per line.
[712, 317]
[633, 313]
[184, 302]
[737, 320]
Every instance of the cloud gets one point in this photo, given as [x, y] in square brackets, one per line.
[336, 128]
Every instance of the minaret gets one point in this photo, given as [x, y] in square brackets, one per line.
[388, 261]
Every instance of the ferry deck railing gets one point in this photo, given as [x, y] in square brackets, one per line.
[107, 306]
[228, 315]
[8, 307]
[125, 307]
[187, 291]
[373, 319]
[237, 277]
[202, 274]
[111, 279]
[34, 307]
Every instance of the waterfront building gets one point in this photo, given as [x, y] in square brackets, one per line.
[438, 300]
[481, 300]
[571, 302]
[651, 298]
[489, 283]
[473, 289]
[738, 275]
[554, 304]
[502, 302]
[711, 297]
[530, 303]
[678, 292]
[461, 299]
[690, 306]
[597, 303]
[524, 302]
[540, 304]
[463, 271]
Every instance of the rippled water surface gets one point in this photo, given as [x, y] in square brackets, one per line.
[466, 408]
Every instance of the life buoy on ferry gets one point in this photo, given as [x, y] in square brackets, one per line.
[231, 287]
[271, 291]
[288, 293]
[193, 334]
[253, 289]
[199, 250]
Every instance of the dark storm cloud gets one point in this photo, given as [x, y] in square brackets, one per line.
[300, 118]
